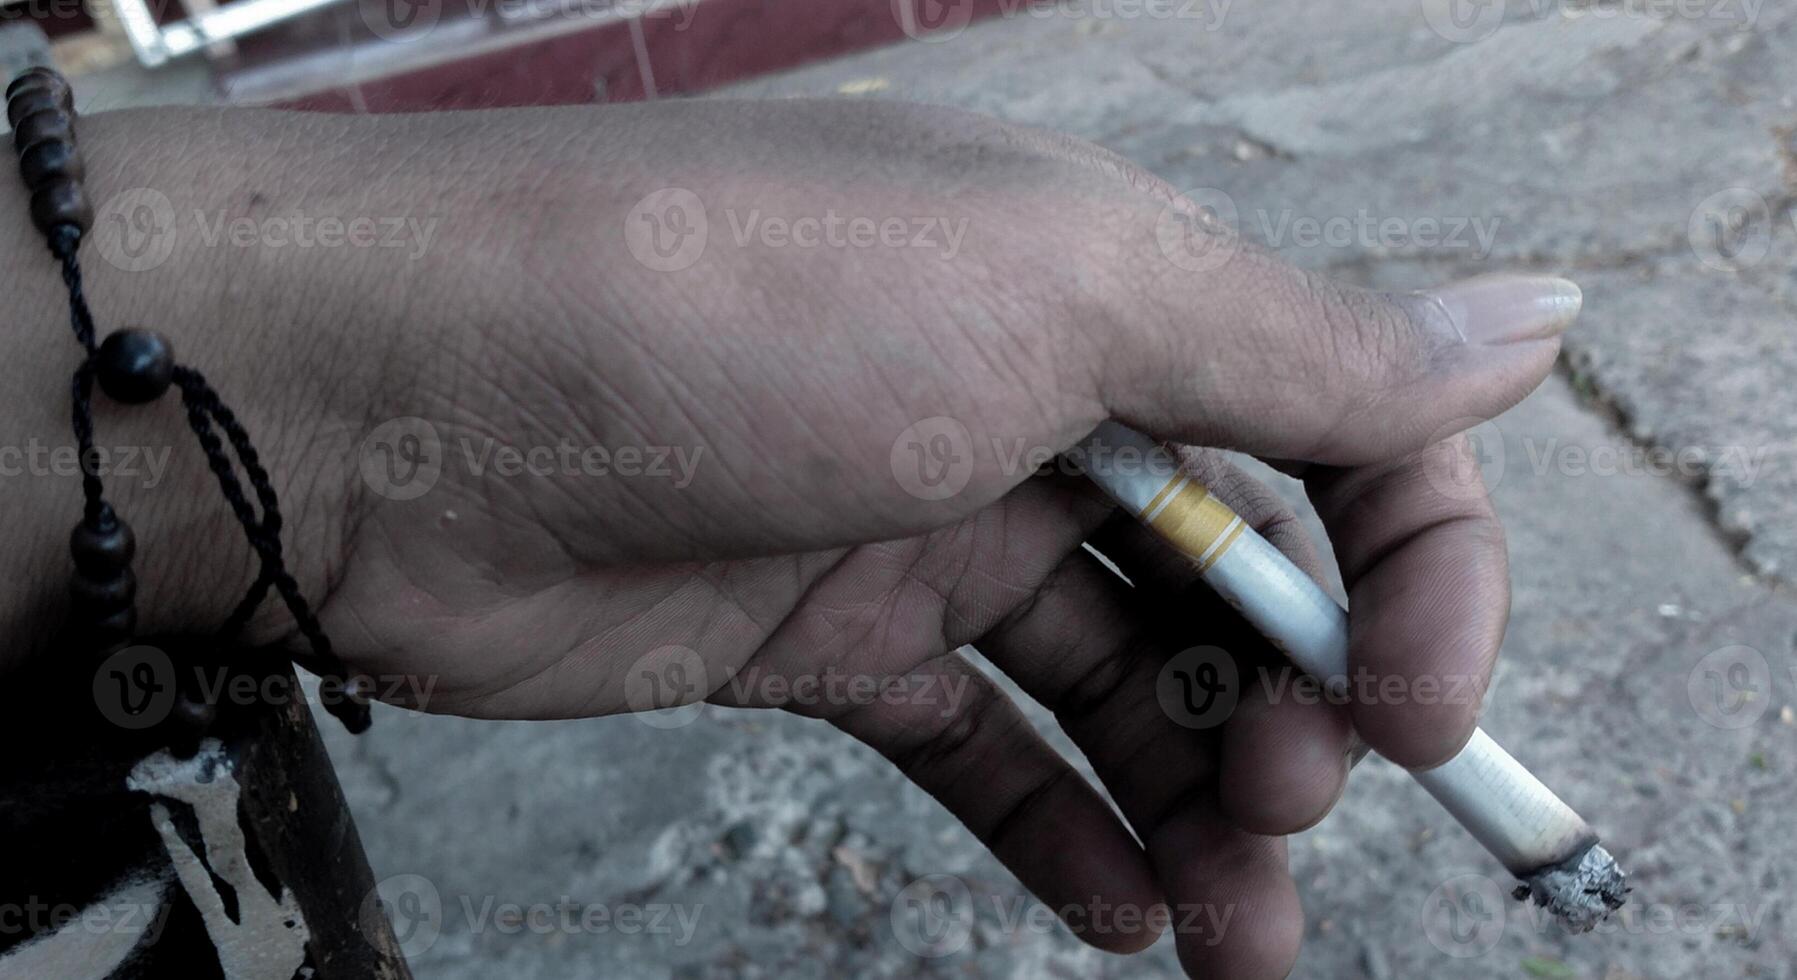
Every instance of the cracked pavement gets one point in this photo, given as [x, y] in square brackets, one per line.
[1650, 491]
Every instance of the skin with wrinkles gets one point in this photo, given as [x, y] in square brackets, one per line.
[794, 550]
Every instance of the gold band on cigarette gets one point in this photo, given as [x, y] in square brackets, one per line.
[1189, 518]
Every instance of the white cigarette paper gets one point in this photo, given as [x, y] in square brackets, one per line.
[1521, 822]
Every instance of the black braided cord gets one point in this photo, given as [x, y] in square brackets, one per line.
[205, 411]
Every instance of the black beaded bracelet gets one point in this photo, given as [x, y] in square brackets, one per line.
[134, 366]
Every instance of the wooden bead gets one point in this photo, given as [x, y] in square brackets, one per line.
[189, 720]
[41, 126]
[134, 366]
[32, 100]
[61, 202]
[111, 627]
[36, 74]
[191, 716]
[104, 551]
[103, 595]
[47, 161]
[36, 77]
[27, 76]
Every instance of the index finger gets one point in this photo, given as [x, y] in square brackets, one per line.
[1422, 555]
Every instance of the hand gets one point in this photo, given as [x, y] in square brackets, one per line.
[528, 306]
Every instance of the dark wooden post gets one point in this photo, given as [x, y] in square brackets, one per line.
[232, 856]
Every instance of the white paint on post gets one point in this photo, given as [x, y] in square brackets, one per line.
[267, 940]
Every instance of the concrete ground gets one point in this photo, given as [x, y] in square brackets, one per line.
[1650, 492]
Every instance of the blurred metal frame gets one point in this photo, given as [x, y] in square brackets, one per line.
[156, 43]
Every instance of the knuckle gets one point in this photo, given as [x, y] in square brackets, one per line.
[939, 741]
[1372, 341]
[1096, 686]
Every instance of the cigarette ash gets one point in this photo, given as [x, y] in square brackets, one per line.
[1581, 891]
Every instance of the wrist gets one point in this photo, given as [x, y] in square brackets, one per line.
[230, 313]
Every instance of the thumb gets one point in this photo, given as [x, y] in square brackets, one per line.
[1273, 360]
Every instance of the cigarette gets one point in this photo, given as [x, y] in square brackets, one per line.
[1537, 837]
